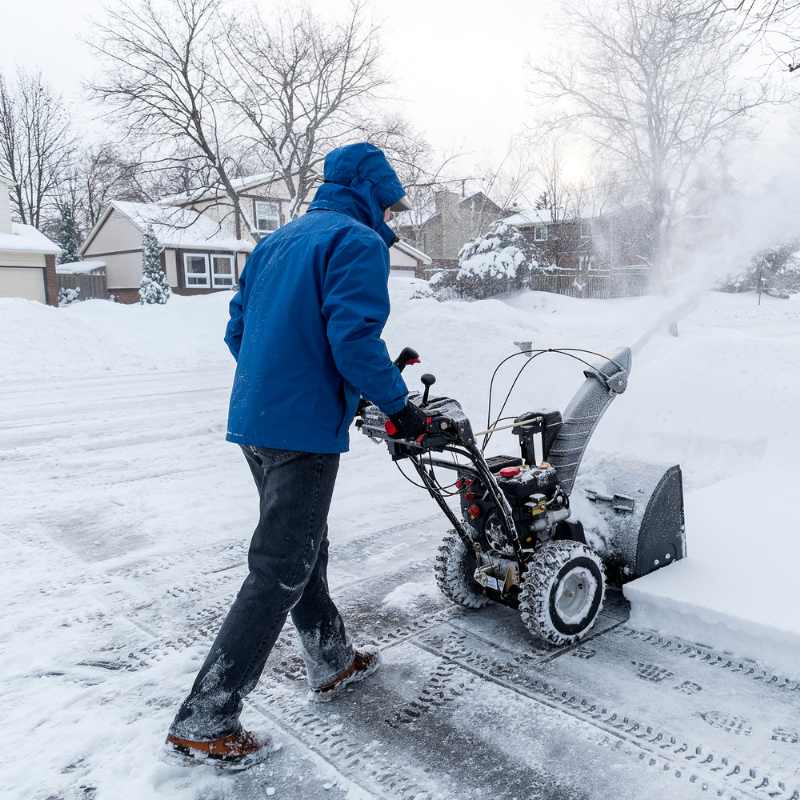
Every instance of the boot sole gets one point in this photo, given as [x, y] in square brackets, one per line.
[356, 677]
[174, 757]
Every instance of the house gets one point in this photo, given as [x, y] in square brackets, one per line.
[404, 257]
[453, 220]
[196, 231]
[601, 242]
[198, 254]
[27, 258]
[567, 243]
[263, 200]
[265, 206]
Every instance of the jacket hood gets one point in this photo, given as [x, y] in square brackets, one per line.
[360, 181]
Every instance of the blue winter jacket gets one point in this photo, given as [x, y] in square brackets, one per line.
[305, 326]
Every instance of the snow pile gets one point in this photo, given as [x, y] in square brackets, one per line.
[97, 337]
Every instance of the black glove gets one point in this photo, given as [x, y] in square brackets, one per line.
[408, 423]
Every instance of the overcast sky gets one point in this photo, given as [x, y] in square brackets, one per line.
[458, 65]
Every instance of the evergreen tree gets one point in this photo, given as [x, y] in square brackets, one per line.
[68, 237]
[154, 287]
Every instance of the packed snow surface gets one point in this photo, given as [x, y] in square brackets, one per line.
[125, 513]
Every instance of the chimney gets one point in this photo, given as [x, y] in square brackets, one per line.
[445, 199]
[5, 207]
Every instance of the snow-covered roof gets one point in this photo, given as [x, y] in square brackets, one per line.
[213, 192]
[80, 267]
[412, 251]
[180, 227]
[530, 216]
[26, 239]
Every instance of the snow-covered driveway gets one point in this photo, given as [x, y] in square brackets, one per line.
[124, 526]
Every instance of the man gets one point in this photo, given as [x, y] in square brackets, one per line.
[305, 328]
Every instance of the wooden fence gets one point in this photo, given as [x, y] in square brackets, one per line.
[599, 285]
[596, 285]
[92, 284]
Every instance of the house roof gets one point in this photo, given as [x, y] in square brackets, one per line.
[213, 192]
[80, 267]
[412, 251]
[26, 239]
[173, 227]
[529, 216]
[430, 213]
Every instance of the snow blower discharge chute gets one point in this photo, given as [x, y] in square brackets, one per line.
[516, 540]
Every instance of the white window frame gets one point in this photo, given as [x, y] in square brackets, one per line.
[194, 275]
[274, 204]
[536, 231]
[214, 281]
[587, 227]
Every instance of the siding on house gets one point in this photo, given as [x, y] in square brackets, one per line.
[12, 259]
[116, 235]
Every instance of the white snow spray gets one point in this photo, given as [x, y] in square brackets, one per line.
[761, 213]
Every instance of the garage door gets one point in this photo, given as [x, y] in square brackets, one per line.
[22, 282]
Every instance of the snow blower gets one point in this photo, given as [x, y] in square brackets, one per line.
[515, 541]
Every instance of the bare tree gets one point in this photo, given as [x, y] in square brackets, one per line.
[651, 84]
[104, 174]
[160, 62]
[35, 144]
[776, 23]
[300, 85]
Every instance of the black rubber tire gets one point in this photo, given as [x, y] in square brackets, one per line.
[454, 569]
[546, 570]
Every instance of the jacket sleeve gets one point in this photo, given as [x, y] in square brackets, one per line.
[235, 328]
[355, 306]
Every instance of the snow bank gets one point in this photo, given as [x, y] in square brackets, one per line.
[97, 337]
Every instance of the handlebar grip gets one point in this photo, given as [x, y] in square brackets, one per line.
[408, 355]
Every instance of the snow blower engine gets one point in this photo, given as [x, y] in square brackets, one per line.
[516, 541]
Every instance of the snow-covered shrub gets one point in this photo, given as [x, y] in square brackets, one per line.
[499, 261]
[778, 269]
[67, 296]
[154, 287]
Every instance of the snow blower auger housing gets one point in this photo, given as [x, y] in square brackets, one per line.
[515, 541]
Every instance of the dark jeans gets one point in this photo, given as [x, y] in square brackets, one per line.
[288, 563]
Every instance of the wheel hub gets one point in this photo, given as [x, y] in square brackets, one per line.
[574, 595]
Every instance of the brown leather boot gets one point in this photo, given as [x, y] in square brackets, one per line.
[236, 750]
[365, 661]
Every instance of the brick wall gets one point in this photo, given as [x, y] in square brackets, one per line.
[50, 281]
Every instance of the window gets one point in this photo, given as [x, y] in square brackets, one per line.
[222, 271]
[586, 229]
[540, 233]
[268, 216]
[195, 269]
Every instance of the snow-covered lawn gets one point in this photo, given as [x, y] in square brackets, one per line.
[125, 516]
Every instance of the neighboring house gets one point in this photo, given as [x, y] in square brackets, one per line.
[263, 200]
[265, 205]
[199, 255]
[27, 258]
[201, 252]
[452, 221]
[564, 243]
[404, 257]
[586, 243]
